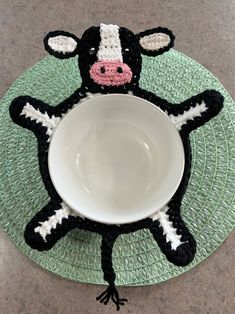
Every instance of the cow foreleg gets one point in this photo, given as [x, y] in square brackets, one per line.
[196, 111]
[34, 115]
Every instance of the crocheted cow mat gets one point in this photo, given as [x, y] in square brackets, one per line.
[189, 228]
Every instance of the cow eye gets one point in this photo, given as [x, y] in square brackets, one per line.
[126, 50]
[92, 50]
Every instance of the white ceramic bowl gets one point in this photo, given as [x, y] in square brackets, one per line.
[116, 159]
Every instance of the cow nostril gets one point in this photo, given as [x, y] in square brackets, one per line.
[119, 70]
[102, 69]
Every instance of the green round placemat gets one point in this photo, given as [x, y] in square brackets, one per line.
[208, 205]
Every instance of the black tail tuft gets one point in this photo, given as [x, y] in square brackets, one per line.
[111, 293]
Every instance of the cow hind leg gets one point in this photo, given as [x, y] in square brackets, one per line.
[173, 237]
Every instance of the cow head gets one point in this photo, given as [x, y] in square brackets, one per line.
[109, 55]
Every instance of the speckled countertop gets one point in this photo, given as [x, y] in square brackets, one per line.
[204, 31]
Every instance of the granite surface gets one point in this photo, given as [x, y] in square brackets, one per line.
[204, 31]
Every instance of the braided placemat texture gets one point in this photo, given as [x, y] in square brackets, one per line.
[208, 205]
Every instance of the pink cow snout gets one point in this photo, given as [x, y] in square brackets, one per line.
[111, 73]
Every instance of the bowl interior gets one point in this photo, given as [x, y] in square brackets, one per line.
[116, 159]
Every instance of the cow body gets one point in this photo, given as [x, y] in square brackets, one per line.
[110, 62]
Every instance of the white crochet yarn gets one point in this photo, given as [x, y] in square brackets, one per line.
[46, 226]
[168, 230]
[35, 114]
[192, 113]
[64, 44]
[155, 41]
[110, 45]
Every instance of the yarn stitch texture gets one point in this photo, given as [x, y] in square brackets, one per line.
[55, 220]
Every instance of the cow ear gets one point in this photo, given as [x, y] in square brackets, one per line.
[61, 44]
[156, 41]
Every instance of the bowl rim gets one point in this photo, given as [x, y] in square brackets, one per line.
[83, 213]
